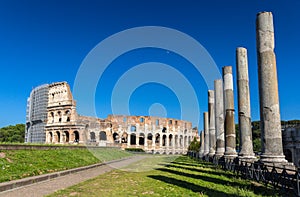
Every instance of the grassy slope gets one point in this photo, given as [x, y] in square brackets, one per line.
[183, 177]
[23, 163]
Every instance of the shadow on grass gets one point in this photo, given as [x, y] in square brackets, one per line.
[204, 178]
[257, 188]
[202, 171]
[191, 186]
[200, 164]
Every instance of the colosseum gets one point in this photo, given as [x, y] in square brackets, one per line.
[51, 117]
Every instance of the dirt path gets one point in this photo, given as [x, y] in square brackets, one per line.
[48, 187]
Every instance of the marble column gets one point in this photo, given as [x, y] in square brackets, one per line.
[206, 133]
[230, 137]
[246, 146]
[272, 151]
[201, 152]
[219, 117]
[211, 118]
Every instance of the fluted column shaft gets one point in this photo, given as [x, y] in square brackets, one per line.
[211, 117]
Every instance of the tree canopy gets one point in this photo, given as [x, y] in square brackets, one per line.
[12, 133]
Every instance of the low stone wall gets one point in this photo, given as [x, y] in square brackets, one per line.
[45, 147]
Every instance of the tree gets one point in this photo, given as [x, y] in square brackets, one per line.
[194, 146]
[14, 133]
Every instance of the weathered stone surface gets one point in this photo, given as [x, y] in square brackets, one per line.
[246, 145]
[272, 151]
[219, 117]
[230, 137]
[201, 152]
[153, 134]
[206, 133]
[211, 117]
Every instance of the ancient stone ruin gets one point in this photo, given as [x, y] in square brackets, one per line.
[272, 149]
[52, 118]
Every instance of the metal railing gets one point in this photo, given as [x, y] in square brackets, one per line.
[285, 180]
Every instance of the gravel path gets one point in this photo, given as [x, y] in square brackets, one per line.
[50, 186]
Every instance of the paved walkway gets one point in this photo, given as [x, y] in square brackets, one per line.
[50, 186]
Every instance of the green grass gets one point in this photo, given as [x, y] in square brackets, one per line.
[16, 164]
[182, 177]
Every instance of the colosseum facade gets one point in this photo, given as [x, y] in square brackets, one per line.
[64, 126]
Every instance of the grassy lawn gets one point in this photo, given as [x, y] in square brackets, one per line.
[16, 164]
[181, 177]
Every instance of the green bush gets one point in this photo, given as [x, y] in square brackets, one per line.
[134, 149]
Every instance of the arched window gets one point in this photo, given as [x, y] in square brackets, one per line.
[67, 136]
[142, 119]
[76, 136]
[102, 135]
[133, 128]
[93, 136]
[156, 122]
[116, 137]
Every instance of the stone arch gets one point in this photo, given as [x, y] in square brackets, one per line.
[149, 138]
[51, 117]
[67, 136]
[157, 138]
[102, 136]
[170, 140]
[116, 137]
[133, 128]
[57, 138]
[180, 141]
[50, 137]
[176, 141]
[164, 140]
[141, 139]
[76, 136]
[124, 137]
[59, 116]
[92, 136]
[132, 139]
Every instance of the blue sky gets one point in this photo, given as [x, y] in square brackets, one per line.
[46, 41]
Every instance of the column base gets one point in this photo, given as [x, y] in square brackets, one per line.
[230, 155]
[273, 159]
[249, 159]
[219, 154]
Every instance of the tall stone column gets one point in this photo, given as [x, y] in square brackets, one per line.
[153, 141]
[246, 145]
[268, 90]
[137, 140]
[201, 152]
[206, 133]
[230, 138]
[128, 140]
[160, 140]
[211, 118]
[146, 140]
[219, 110]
